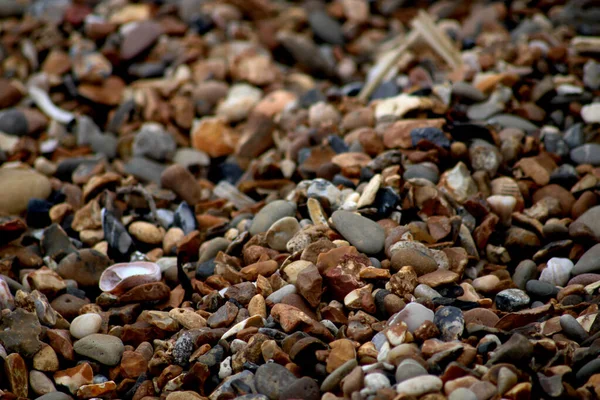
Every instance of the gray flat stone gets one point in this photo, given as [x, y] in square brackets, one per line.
[364, 234]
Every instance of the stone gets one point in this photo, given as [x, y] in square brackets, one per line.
[516, 349]
[310, 284]
[270, 214]
[409, 369]
[376, 381]
[45, 359]
[20, 186]
[333, 379]
[413, 315]
[326, 28]
[144, 169]
[364, 234]
[272, 379]
[420, 385]
[153, 141]
[590, 114]
[40, 383]
[85, 325]
[20, 331]
[589, 261]
[84, 266]
[462, 394]
[305, 388]
[213, 136]
[188, 318]
[281, 232]
[240, 100]
[450, 321]
[512, 300]
[459, 182]
[16, 372]
[14, 122]
[586, 154]
[557, 271]
[525, 271]
[147, 232]
[106, 349]
[416, 257]
[139, 38]
[74, 378]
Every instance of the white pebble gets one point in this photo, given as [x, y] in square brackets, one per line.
[420, 385]
[85, 325]
[557, 271]
[225, 368]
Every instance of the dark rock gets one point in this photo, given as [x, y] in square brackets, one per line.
[56, 243]
[14, 122]
[20, 331]
[516, 350]
[273, 380]
[184, 218]
[431, 134]
[119, 241]
[512, 300]
[450, 322]
[37, 213]
[326, 28]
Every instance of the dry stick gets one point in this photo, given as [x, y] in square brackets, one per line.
[437, 39]
[371, 85]
[423, 27]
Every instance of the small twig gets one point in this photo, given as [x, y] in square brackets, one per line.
[147, 196]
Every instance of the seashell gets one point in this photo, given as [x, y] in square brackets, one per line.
[503, 206]
[7, 300]
[506, 186]
[118, 278]
[557, 271]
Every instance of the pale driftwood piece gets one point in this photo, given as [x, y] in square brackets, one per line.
[371, 85]
[423, 28]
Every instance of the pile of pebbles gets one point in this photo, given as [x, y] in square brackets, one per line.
[197, 203]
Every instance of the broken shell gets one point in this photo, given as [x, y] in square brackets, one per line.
[503, 206]
[120, 277]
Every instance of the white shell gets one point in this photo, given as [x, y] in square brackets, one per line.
[123, 276]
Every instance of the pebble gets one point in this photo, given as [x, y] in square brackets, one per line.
[450, 322]
[413, 315]
[106, 349]
[272, 379]
[270, 214]
[364, 234]
[462, 394]
[20, 186]
[512, 300]
[557, 271]
[420, 385]
[85, 325]
[586, 154]
[572, 328]
[376, 381]
[409, 369]
[152, 141]
[589, 261]
[590, 113]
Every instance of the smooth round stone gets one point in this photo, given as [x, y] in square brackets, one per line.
[85, 325]
[364, 234]
[19, 186]
[572, 328]
[584, 279]
[589, 369]
[462, 394]
[467, 91]
[590, 113]
[420, 385]
[589, 221]
[409, 369]
[272, 379]
[525, 271]
[154, 142]
[55, 396]
[541, 289]
[589, 153]
[557, 271]
[450, 322]
[334, 378]
[421, 262]
[376, 381]
[281, 232]
[423, 171]
[512, 300]
[323, 189]
[40, 383]
[430, 133]
[106, 349]
[304, 388]
[589, 261]
[425, 291]
[413, 315]
[14, 122]
[326, 28]
[84, 266]
[270, 214]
